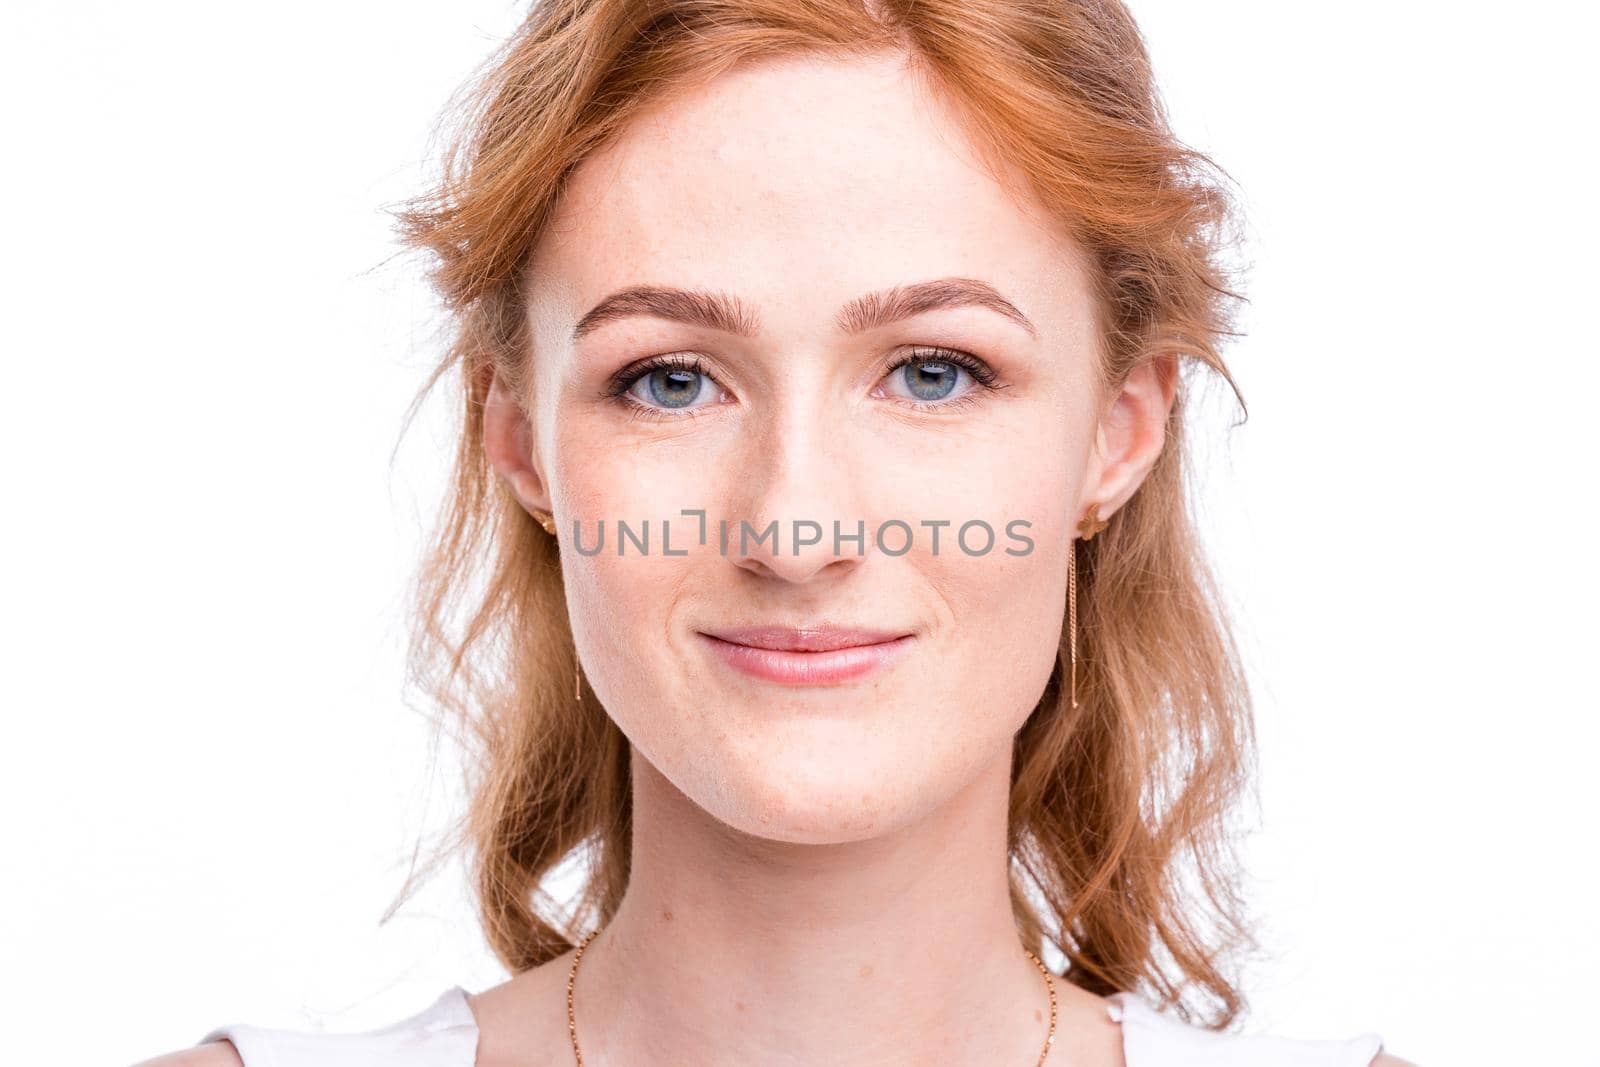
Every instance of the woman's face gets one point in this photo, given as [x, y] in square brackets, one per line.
[818, 199]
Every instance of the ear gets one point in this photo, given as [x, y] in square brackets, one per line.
[1131, 433]
[508, 442]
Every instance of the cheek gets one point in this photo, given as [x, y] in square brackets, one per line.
[1004, 617]
[619, 605]
[1004, 609]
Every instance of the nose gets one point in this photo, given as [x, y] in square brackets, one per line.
[800, 489]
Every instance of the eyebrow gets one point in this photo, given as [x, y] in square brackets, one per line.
[726, 313]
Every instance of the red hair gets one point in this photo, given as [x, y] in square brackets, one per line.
[1121, 857]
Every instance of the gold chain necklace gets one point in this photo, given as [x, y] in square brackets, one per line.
[572, 1017]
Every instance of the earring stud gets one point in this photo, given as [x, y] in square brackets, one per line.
[1092, 523]
[547, 520]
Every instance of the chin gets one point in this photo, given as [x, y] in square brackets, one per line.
[815, 798]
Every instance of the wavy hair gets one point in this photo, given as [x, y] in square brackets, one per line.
[1121, 856]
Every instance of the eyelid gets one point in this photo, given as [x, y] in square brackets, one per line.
[981, 372]
[619, 386]
[623, 380]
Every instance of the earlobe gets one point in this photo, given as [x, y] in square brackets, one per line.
[508, 442]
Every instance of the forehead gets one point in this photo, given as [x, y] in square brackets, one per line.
[801, 176]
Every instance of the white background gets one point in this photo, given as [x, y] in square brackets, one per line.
[209, 782]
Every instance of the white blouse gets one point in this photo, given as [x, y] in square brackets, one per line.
[445, 1034]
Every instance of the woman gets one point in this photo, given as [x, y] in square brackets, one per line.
[822, 450]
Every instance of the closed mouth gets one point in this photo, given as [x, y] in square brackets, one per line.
[805, 639]
[808, 657]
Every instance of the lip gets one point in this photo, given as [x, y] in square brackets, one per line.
[808, 656]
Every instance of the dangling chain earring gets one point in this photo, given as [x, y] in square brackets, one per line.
[548, 521]
[1088, 526]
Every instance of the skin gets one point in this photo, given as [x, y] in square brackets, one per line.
[819, 874]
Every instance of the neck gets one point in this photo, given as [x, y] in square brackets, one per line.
[734, 949]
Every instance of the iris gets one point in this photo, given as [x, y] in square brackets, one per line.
[930, 380]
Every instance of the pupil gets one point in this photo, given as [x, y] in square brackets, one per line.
[930, 381]
[674, 387]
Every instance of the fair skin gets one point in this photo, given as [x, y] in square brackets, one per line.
[819, 873]
[796, 848]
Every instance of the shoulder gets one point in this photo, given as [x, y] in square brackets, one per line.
[1157, 1038]
[214, 1054]
[442, 1034]
[524, 1019]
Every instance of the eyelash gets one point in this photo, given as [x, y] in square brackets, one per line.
[620, 383]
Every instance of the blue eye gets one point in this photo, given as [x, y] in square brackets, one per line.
[930, 381]
[932, 375]
[669, 383]
[673, 385]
